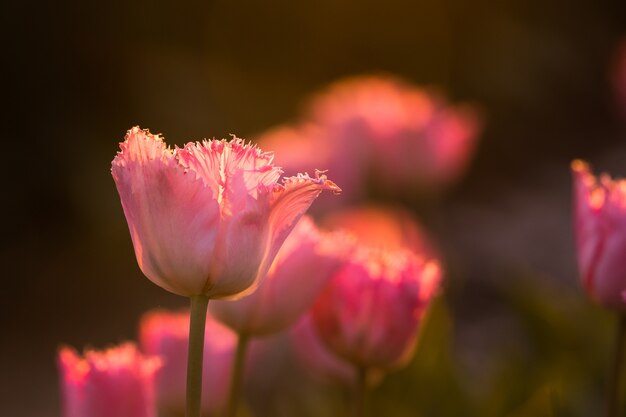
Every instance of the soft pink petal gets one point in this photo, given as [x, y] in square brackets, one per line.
[173, 216]
[288, 203]
[302, 267]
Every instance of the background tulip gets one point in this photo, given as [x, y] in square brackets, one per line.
[166, 334]
[600, 226]
[413, 136]
[116, 382]
[315, 357]
[301, 269]
[370, 311]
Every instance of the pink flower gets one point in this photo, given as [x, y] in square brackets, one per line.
[166, 334]
[414, 136]
[301, 269]
[600, 226]
[370, 311]
[116, 382]
[209, 217]
[315, 357]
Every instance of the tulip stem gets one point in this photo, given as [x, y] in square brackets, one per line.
[236, 376]
[199, 304]
[360, 392]
[616, 371]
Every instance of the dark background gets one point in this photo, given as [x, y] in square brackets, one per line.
[77, 76]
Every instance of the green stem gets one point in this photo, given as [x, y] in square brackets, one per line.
[237, 375]
[199, 304]
[616, 370]
[360, 392]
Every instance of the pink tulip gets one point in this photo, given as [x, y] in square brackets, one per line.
[600, 226]
[414, 136]
[301, 269]
[370, 311]
[116, 382]
[315, 357]
[208, 218]
[166, 334]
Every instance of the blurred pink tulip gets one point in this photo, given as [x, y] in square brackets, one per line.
[116, 382]
[600, 226]
[382, 227]
[308, 146]
[301, 269]
[166, 334]
[208, 218]
[415, 136]
[370, 311]
[315, 357]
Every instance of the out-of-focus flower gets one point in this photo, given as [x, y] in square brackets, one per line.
[166, 334]
[382, 227]
[115, 382]
[600, 227]
[370, 311]
[309, 146]
[301, 269]
[208, 218]
[315, 357]
[415, 137]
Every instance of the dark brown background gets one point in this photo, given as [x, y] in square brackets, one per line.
[78, 76]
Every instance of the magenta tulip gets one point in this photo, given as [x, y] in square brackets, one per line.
[370, 312]
[116, 382]
[600, 226]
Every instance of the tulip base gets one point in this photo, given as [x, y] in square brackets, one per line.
[613, 397]
[199, 304]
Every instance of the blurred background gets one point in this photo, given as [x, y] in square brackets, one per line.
[513, 334]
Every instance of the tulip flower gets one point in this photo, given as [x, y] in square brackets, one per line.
[206, 221]
[600, 226]
[301, 269]
[116, 382]
[370, 311]
[166, 334]
[414, 137]
[207, 218]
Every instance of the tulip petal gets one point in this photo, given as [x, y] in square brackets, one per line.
[288, 204]
[172, 218]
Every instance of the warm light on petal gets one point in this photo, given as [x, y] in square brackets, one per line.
[209, 217]
[600, 226]
[115, 382]
[302, 267]
[370, 311]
